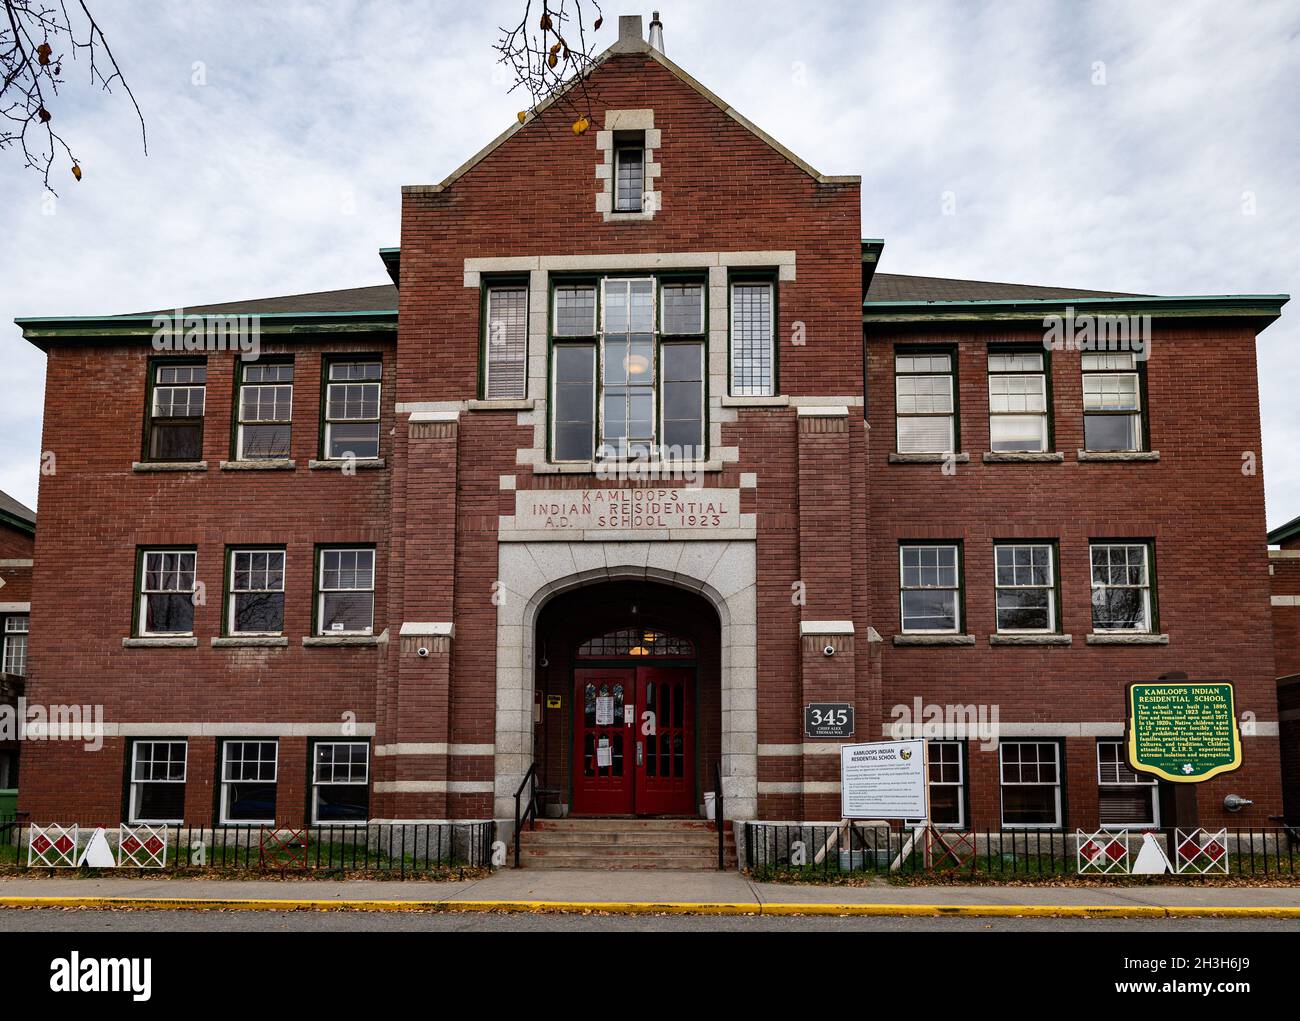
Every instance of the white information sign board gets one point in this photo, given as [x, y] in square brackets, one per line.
[883, 780]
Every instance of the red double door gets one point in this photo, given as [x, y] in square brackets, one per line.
[634, 741]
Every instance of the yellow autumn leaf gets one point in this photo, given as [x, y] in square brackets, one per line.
[522, 115]
[76, 172]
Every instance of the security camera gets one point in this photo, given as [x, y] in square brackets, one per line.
[422, 652]
[828, 650]
[1235, 803]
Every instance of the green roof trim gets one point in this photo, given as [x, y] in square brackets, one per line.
[1257, 306]
[392, 259]
[1284, 533]
[13, 521]
[41, 330]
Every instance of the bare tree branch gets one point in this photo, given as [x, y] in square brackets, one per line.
[549, 57]
[31, 73]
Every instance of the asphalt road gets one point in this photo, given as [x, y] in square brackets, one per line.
[92, 921]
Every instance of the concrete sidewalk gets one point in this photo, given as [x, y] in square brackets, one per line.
[651, 892]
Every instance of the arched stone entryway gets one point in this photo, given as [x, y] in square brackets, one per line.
[723, 573]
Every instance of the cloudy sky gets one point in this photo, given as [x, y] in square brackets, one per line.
[1130, 146]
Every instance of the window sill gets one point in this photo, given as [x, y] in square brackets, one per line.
[641, 216]
[1126, 638]
[1023, 457]
[360, 464]
[1031, 639]
[178, 642]
[1119, 455]
[269, 464]
[342, 641]
[251, 642]
[929, 458]
[515, 404]
[934, 639]
[169, 466]
[755, 402]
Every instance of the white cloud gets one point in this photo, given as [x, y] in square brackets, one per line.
[313, 108]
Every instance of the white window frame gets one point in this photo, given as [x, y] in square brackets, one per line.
[16, 631]
[316, 782]
[231, 591]
[1050, 587]
[1141, 780]
[1040, 374]
[1002, 784]
[1109, 370]
[157, 388]
[378, 423]
[492, 291]
[226, 783]
[142, 610]
[955, 589]
[768, 387]
[135, 785]
[241, 421]
[950, 374]
[653, 372]
[1148, 625]
[585, 285]
[321, 590]
[959, 784]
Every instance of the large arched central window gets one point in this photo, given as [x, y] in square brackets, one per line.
[636, 643]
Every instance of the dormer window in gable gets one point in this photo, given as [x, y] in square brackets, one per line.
[627, 173]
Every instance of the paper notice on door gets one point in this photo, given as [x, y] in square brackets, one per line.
[604, 710]
[604, 754]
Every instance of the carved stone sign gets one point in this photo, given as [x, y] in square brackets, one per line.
[620, 510]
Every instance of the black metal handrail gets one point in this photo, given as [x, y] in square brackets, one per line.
[719, 816]
[530, 814]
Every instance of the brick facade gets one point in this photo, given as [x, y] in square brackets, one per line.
[451, 695]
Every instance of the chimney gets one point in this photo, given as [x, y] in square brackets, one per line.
[657, 33]
[629, 30]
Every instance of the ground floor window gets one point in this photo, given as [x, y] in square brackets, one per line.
[15, 646]
[340, 782]
[947, 769]
[1031, 784]
[248, 779]
[158, 781]
[1125, 798]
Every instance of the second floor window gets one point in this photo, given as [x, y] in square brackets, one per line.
[15, 646]
[1026, 587]
[352, 409]
[1112, 402]
[1121, 586]
[256, 592]
[930, 588]
[753, 340]
[176, 405]
[265, 411]
[346, 595]
[166, 592]
[1017, 402]
[925, 403]
[505, 344]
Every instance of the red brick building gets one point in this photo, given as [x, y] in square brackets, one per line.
[17, 539]
[1284, 573]
[639, 429]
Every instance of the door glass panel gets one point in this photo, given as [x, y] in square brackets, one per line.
[589, 752]
[651, 756]
[589, 706]
[616, 762]
[678, 756]
[677, 707]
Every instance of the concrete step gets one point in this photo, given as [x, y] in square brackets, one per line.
[591, 822]
[620, 850]
[701, 838]
[623, 864]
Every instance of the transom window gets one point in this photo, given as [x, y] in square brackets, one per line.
[1031, 784]
[1026, 587]
[176, 412]
[505, 365]
[626, 381]
[249, 771]
[15, 646]
[1121, 586]
[341, 782]
[1125, 798]
[753, 340]
[158, 781]
[167, 592]
[352, 410]
[1112, 402]
[1017, 401]
[256, 604]
[924, 403]
[346, 596]
[636, 642]
[265, 411]
[929, 582]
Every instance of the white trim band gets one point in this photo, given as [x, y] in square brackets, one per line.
[430, 629]
[826, 627]
[15, 607]
[433, 786]
[433, 748]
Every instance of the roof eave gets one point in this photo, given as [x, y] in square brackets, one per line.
[14, 521]
[1284, 533]
[42, 331]
[1262, 307]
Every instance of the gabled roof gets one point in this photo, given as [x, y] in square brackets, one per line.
[16, 514]
[630, 41]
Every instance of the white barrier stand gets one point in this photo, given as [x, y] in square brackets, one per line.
[142, 847]
[53, 846]
[1104, 853]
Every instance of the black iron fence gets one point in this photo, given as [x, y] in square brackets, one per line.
[791, 851]
[389, 850]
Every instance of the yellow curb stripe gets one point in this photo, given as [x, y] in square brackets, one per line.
[659, 907]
